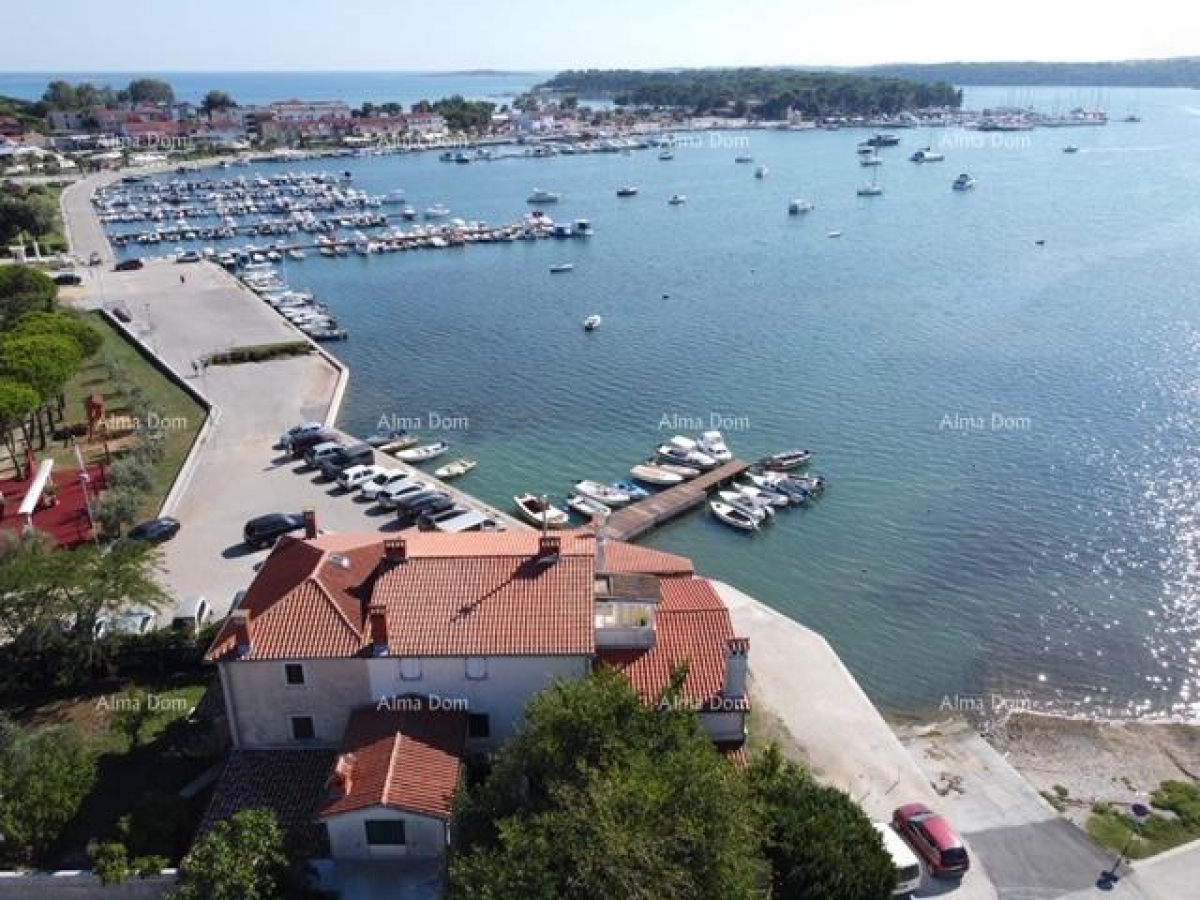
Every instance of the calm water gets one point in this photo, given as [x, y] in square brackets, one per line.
[1053, 551]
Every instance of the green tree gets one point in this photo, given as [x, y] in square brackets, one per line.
[65, 324]
[600, 795]
[45, 774]
[819, 843]
[60, 94]
[117, 510]
[27, 215]
[110, 861]
[130, 473]
[17, 403]
[216, 101]
[24, 290]
[242, 858]
[149, 90]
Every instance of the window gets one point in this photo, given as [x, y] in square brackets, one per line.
[293, 673]
[303, 728]
[410, 669]
[479, 725]
[385, 832]
[477, 667]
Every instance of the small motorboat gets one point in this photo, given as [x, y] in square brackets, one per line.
[559, 268]
[871, 160]
[437, 211]
[654, 474]
[399, 442]
[833, 234]
[603, 493]
[789, 459]
[926, 154]
[635, 493]
[713, 443]
[541, 196]
[963, 182]
[627, 190]
[1070, 148]
[539, 511]
[761, 510]
[743, 158]
[761, 172]
[424, 453]
[778, 483]
[295, 254]
[591, 323]
[386, 438]
[809, 481]
[677, 200]
[799, 206]
[586, 506]
[455, 469]
[666, 155]
[774, 498]
[732, 516]
[684, 472]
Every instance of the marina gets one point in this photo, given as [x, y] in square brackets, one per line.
[638, 518]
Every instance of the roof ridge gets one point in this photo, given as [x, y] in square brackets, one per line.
[313, 576]
[397, 737]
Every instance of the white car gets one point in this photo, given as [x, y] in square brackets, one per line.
[370, 489]
[357, 476]
[908, 867]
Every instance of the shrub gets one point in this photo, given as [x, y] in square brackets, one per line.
[111, 862]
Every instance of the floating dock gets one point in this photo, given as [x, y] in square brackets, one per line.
[638, 518]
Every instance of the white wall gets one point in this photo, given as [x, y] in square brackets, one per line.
[424, 836]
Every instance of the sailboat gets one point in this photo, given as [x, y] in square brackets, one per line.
[873, 189]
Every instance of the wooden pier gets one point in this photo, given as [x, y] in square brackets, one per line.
[638, 518]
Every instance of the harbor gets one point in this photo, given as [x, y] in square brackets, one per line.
[636, 519]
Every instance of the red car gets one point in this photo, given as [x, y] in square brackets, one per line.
[933, 839]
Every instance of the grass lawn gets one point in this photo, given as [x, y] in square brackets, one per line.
[178, 416]
[136, 795]
[1176, 821]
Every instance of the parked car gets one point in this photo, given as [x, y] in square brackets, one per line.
[68, 278]
[353, 455]
[264, 531]
[135, 621]
[315, 454]
[188, 256]
[389, 498]
[933, 838]
[121, 315]
[471, 520]
[411, 506]
[128, 265]
[295, 431]
[302, 443]
[428, 520]
[370, 490]
[155, 531]
[356, 476]
[908, 867]
[191, 614]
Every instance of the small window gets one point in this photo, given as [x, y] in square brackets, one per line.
[477, 667]
[385, 832]
[294, 674]
[479, 725]
[410, 669]
[303, 728]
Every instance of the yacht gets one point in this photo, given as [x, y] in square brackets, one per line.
[437, 211]
[799, 206]
[677, 199]
[685, 452]
[539, 511]
[603, 493]
[592, 322]
[732, 516]
[654, 474]
[713, 443]
[963, 182]
[541, 196]
[925, 154]
[627, 190]
[559, 268]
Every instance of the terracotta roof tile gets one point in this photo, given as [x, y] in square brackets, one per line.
[409, 760]
[692, 626]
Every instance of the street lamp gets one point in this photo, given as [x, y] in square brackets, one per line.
[1139, 813]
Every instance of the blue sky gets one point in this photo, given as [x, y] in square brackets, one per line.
[202, 35]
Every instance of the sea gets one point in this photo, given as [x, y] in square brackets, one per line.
[1002, 385]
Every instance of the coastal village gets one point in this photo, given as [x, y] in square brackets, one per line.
[369, 693]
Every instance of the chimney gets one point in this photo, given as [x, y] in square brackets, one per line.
[395, 551]
[602, 540]
[341, 779]
[310, 523]
[377, 615]
[737, 657]
[240, 619]
[549, 548]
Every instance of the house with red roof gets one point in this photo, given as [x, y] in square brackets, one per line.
[387, 662]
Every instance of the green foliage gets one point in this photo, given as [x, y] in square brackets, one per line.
[24, 290]
[149, 90]
[768, 92]
[44, 776]
[1112, 826]
[600, 795]
[26, 214]
[1181, 798]
[819, 842]
[117, 510]
[62, 324]
[260, 352]
[130, 474]
[133, 716]
[111, 862]
[1172, 72]
[44, 362]
[17, 402]
[240, 859]
[216, 101]
[149, 866]
[464, 115]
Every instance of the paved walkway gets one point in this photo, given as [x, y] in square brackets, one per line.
[844, 739]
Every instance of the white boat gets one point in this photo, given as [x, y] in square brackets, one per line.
[743, 158]
[713, 443]
[541, 196]
[963, 182]
[455, 469]
[761, 172]
[561, 267]
[788, 459]
[684, 451]
[764, 495]
[925, 155]
[586, 506]
[654, 474]
[732, 516]
[538, 511]
[296, 254]
[437, 211]
[627, 190]
[424, 453]
[677, 199]
[799, 206]
[603, 493]
[591, 323]
[755, 507]
[833, 234]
